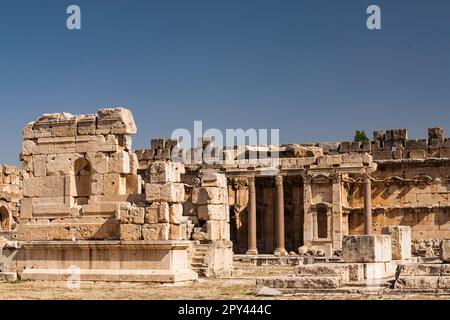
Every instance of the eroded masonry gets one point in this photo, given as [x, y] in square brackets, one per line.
[84, 200]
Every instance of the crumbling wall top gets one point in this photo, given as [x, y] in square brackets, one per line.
[117, 121]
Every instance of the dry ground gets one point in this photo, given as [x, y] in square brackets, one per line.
[240, 287]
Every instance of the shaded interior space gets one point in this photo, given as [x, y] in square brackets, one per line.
[266, 228]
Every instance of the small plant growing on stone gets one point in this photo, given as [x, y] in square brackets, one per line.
[360, 136]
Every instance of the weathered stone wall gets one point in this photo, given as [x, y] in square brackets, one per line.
[10, 195]
[76, 170]
[413, 193]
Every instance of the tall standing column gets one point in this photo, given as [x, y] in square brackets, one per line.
[280, 248]
[252, 245]
[367, 206]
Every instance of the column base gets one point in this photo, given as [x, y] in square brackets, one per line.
[252, 252]
[280, 252]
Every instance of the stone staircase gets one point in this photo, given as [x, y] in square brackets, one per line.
[199, 259]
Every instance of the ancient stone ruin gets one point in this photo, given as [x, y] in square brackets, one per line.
[83, 201]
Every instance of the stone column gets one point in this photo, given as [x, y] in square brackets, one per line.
[308, 223]
[367, 205]
[252, 248]
[279, 191]
[336, 231]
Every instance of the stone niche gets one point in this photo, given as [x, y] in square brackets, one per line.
[367, 248]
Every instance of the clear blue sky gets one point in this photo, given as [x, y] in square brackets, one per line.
[308, 67]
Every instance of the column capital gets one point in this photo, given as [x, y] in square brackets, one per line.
[366, 178]
[336, 177]
[251, 179]
[307, 179]
[279, 180]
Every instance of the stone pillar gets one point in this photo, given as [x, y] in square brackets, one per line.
[251, 221]
[367, 206]
[280, 248]
[336, 217]
[308, 223]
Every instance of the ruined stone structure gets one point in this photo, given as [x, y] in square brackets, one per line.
[83, 199]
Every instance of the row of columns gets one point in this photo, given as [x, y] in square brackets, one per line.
[279, 217]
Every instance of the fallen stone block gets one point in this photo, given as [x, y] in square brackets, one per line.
[445, 250]
[417, 282]
[295, 282]
[400, 241]
[374, 248]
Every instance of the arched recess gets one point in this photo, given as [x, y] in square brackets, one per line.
[83, 180]
[5, 221]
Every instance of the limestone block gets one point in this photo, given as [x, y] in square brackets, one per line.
[104, 209]
[417, 282]
[400, 240]
[65, 128]
[176, 213]
[445, 250]
[99, 162]
[157, 212]
[159, 231]
[178, 232]
[87, 124]
[312, 282]
[134, 215]
[374, 248]
[97, 184]
[169, 192]
[39, 165]
[214, 179]
[114, 184]
[217, 230]
[396, 134]
[26, 209]
[134, 162]
[44, 187]
[115, 121]
[130, 232]
[213, 212]
[163, 172]
[134, 184]
[209, 195]
[61, 164]
[28, 147]
[419, 269]
[120, 162]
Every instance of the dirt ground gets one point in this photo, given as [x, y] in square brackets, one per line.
[240, 287]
